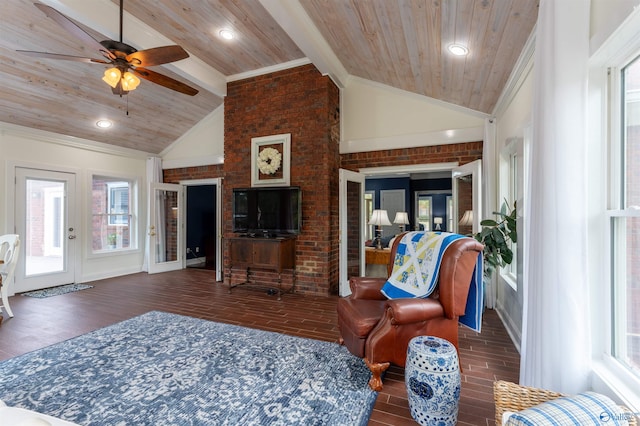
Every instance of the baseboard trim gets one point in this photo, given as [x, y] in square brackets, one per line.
[110, 274]
[512, 331]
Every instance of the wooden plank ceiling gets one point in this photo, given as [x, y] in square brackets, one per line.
[400, 43]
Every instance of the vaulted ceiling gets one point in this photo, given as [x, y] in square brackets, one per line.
[399, 43]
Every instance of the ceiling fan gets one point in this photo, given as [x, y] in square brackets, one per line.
[127, 62]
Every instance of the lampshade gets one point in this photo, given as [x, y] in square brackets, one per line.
[437, 220]
[379, 217]
[129, 81]
[112, 77]
[401, 218]
[467, 218]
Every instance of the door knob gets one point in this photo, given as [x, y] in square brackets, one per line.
[72, 237]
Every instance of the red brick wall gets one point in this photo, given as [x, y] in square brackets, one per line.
[192, 173]
[463, 153]
[304, 103]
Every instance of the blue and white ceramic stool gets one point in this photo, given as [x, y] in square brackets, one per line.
[432, 377]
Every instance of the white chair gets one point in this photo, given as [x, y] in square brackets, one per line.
[9, 250]
[12, 416]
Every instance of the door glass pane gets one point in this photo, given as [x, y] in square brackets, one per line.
[44, 239]
[465, 203]
[353, 225]
[167, 225]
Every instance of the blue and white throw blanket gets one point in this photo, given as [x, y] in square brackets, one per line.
[416, 267]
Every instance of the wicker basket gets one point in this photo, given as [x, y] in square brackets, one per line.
[513, 397]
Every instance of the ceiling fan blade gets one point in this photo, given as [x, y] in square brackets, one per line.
[72, 28]
[157, 56]
[63, 57]
[165, 81]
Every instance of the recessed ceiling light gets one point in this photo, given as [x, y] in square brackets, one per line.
[458, 49]
[104, 123]
[227, 34]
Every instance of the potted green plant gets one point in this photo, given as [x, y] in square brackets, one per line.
[495, 235]
[112, 240]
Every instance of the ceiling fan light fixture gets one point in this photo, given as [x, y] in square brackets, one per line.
[112, 77]
[129, 81]
[458, 49]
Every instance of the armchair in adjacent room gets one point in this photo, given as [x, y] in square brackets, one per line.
[379, 330]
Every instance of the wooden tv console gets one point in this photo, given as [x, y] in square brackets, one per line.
[275, 254]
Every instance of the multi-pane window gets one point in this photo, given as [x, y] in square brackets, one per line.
[512, 179]
[424, 211]
[113, 219]
[118, 193]
[625, 223]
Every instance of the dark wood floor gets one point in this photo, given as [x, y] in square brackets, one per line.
[40, 322]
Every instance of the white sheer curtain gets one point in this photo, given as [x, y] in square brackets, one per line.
[555, 341]
[489, 178]
[154, 175]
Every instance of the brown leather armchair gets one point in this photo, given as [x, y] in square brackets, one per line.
[379, 330]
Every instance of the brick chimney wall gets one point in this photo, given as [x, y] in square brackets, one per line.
[304, 103]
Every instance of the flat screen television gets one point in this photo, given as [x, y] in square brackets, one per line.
[267, 211]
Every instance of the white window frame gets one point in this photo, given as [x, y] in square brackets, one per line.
[134, 188]
[610, 376]
[115, 186]
[511, 178]
[450, 224]
[617, 212]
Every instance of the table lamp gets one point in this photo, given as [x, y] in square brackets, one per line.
[402, 219]
[379, 218]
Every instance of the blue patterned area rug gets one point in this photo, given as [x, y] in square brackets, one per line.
[56, 291]
[167, 369]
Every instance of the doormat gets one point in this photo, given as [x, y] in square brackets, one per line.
[57, 291]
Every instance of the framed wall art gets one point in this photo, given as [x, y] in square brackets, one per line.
[271, 160]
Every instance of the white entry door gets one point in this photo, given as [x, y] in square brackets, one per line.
[45, 220]
[166, 245]
[352, 228]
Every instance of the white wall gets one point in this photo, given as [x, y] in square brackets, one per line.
[202, 145]
[377, 117]
[33, 148]
[511, 122]
[606, 16]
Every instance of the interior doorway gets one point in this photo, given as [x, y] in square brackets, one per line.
[201, 227]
